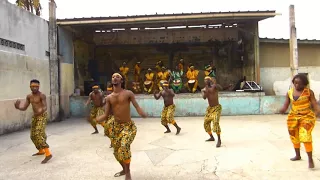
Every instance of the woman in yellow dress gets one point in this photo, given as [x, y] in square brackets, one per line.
[302, 116]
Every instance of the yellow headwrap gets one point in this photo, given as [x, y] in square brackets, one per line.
[34, 84]
[208, 77]
[109, 89]
[95, 87]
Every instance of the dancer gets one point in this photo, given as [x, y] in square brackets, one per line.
[213, 112]
[108, 127]
[167, 115]
[301, 118]
[39, 119]
[124, 129]
[96, 97]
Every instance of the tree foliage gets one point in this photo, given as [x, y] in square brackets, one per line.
[32, 6]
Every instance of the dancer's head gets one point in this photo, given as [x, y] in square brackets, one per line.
[34, 85]
[118, 80]
[300, 81]
[95, 88]
[208, 80]
[165, 85]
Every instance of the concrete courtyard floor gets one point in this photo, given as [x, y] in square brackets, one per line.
[253, 147]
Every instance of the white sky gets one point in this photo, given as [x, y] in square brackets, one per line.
[278, 27]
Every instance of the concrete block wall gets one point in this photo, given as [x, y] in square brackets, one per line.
[18, 67]
[194, 105]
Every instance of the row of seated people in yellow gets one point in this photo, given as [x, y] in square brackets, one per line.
[163, 75]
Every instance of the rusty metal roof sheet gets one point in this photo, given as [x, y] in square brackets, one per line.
[282, 40]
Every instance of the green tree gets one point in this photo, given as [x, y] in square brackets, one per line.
[32, 6]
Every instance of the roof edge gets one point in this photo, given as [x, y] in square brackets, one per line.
[168, 17]
[286, 41]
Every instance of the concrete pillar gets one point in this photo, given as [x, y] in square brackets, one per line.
[171, 58]
[53, 62]
[293, 42]
[256, 52]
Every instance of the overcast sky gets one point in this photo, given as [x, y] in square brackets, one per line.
[278, 27]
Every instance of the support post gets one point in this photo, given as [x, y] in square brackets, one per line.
[293, 43]
[257, 53]
[53, 63]
[171, 57]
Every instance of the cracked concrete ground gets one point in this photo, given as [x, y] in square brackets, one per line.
[253, 147]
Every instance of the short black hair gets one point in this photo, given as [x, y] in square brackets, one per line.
[35, 81]
[302, 77]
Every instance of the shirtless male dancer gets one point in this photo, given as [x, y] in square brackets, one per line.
[96, 96]
[167, 115]
[213, 112]
[109, 123]
[39, 119]
[124, 129]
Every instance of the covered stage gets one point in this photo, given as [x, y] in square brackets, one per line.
[229, 41]
[233, 103]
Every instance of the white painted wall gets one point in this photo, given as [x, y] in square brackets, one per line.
[277, 80]
[18, 67]
[21, 26]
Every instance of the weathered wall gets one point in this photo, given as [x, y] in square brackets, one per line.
[22, 27]
[275, 67]
[194, 105]
[185, 35]
[18, 67]
[66, 58]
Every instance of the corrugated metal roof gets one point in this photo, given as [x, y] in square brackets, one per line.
[282, 40]
[161, 15]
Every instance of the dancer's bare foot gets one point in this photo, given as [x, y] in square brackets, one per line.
[296, 158]
[121, 173]
[46, 159]
[128, 176]
[38, 154]
[211, 139]
[95, 132]
[178, 130]
[218, 143]
[168, 131]
[311, 164]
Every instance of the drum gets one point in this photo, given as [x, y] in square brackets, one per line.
[147, 84]
[177, 82]
[191, 83]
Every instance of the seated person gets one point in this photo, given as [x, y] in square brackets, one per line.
[149, 81]
[163, 75]
[192, 76]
